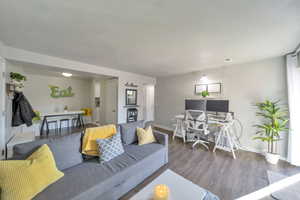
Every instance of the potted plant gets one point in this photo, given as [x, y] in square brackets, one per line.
[274, 123]
[17, 79]
[205, 93]
[37, 117]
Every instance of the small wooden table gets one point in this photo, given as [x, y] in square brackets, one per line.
[79, 114]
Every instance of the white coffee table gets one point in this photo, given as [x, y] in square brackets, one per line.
[180, 188]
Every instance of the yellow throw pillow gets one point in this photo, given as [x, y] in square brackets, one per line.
[145, 136]
[24, 179]
[89, 144]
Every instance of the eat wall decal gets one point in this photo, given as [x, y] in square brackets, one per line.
[56, 92]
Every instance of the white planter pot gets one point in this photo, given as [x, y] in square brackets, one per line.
[19, 84]
[272, 158]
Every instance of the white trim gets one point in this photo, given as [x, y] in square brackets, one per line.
[163, 127]
[2, 106]
[249, 149]
[266, 191]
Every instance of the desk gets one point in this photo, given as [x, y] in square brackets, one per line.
[226, 140]
[79, 114]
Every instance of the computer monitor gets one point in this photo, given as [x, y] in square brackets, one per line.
[217, 105]
[194, 104]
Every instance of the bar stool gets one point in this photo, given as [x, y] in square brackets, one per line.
[179, 130]
[56, 126]
[74, 121]
[64, 120]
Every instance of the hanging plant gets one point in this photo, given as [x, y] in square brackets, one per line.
[17, 77]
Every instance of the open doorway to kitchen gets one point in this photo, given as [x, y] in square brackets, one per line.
[64, 101]
[105, 95]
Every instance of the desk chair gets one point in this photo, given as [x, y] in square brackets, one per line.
[197, 128]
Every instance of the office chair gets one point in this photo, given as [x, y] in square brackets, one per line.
[197, 128]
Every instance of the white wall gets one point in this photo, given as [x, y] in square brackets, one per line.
[2, 47]
[37, 91]
[243, 85]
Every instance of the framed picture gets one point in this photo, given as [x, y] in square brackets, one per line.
[131, 97]
[214, 88]
[200, 88]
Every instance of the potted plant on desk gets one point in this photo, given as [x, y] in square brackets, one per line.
[204, 93]
[275, 122]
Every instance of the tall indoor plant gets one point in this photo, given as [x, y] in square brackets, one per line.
[275, 120]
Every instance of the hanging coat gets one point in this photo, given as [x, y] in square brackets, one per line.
[22, 112]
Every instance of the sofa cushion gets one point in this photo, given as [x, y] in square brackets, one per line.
[90, 179]
[145, 136]
[109, 148]
[128, 131]
[66, 150]
[24, 179]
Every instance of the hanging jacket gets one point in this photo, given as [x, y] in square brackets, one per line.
[22, 112]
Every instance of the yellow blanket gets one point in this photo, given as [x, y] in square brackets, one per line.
[89, 144]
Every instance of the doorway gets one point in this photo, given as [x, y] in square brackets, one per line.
[110, 102]
[2, 106]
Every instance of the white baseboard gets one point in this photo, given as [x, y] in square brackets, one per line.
[249, 149]
[163, 127]
[260, 152]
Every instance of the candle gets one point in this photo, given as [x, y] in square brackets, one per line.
[161, 192]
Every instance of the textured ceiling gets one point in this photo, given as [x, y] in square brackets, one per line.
[153, 37]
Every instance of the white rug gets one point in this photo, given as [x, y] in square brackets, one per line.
[288, 193]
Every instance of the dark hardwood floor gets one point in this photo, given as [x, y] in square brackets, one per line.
[219, 172]
[64, 131]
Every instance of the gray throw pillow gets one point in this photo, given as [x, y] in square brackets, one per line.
[128, 131]
[110, 148]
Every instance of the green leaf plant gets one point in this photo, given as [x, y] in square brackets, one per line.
[205, 93]
[17, 76]
[275, 121]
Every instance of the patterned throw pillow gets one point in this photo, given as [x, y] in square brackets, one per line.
[109, 148]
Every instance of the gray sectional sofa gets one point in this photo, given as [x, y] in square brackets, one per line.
[90, 180]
